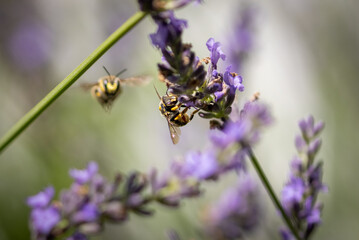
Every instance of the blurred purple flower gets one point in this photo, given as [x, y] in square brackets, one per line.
[241, 39]
[233, 132]
[237, 212]
[42, 199]
[198, 165]
[286, 234]
[43, 220]
[300, 193]
[254, 116]
[292, 193]
[309, 129]
[88, 213]
[30, 46]
[84, 176]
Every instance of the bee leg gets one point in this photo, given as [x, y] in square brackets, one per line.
[179, 115]
[176, 107]
[193, 113]
[184, 110]
[175, 116]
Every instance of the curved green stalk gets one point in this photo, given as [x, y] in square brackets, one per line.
[271, 193]
[26, 120]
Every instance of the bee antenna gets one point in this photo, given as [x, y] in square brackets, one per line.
[106, 71]
[122, 71]
[157, 92]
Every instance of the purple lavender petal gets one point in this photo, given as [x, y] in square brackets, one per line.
[199, 165]
[159, 39]
[43, 220]
[88, 213]
[215, 51]
[318, 127]
[314, 147]
[292, 193]
[296, 165]
[286, 234]
[42, 199]
[84, 176]
[314, 216]
[300, 143]
[234, 82]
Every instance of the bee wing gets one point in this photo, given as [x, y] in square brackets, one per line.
[136, 81]
[87, 86]
[175, 132]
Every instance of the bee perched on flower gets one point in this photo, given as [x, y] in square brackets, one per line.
[170, 108]
[108, 88]
[210, 93]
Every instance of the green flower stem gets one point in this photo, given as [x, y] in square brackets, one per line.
[271, 193]
[26, 120]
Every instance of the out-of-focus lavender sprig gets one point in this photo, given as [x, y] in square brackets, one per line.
[237, 213]
[300, 193]
[91, 200]
[241, 39]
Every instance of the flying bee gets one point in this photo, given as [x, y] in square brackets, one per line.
[109, 87]
[170, 108]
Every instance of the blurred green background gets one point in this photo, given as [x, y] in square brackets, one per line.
[305, 60]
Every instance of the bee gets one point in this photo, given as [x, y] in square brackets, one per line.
[109, 87]
[170, 108]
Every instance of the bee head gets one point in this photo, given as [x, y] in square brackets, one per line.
[109, 84]
[170, 100]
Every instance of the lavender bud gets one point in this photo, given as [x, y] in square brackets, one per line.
[134, 200]
[90, 228]
[206, 115]
[143, 211]
[115, 211]
[135, 183]
[318, 128]
[314, 147]
[199, 103]
[300, 143]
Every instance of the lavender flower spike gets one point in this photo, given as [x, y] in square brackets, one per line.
[237, 213]
[300, 193]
